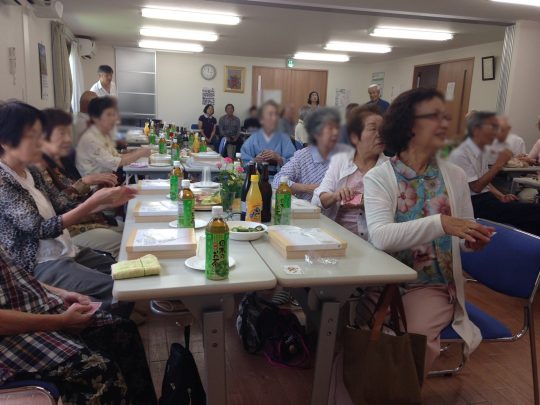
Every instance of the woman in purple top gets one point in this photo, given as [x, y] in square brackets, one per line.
[207, 126]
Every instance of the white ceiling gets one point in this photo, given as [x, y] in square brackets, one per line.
[279, 28]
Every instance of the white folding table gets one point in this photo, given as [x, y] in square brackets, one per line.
[331, 285]
[208, 301]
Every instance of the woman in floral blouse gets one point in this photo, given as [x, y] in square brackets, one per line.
[51, 334]
[97, 231]
[418, 209]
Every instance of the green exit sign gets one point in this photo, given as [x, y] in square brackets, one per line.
[290, 62]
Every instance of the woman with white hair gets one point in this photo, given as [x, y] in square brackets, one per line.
[307, 167]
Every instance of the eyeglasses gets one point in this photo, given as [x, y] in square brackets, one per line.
[438, 116]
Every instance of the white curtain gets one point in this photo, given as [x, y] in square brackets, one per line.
[77, 76]
[60, 63]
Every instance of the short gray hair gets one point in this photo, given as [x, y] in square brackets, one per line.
[318, 119]
[476, 119]
[303, 113]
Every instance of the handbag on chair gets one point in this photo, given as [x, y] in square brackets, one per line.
[380, 368]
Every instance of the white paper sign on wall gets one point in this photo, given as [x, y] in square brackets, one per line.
[450, 88]
[208, 96]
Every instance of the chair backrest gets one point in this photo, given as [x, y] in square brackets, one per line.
[194, 126]
[509, 264]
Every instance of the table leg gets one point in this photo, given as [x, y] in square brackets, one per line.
[325, 352]
[214, 354]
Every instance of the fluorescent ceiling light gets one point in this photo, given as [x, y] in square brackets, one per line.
[357, 47]
[411, 33]
[324, 57]
[176, 14]
[178, 34]
[535, 3]
[170, 46]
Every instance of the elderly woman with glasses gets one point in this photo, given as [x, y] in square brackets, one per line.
[307, 167]
[419, 210]
[340, 192]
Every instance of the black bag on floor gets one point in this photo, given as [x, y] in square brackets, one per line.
[182, 383]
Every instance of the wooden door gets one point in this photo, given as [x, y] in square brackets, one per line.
[455, 81]
[294, 85]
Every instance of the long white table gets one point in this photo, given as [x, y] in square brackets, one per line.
[209, 301]
[258, 267]
[330, 286]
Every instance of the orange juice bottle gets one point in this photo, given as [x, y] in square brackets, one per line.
[196, 144]
[254, 201]
[146, 129]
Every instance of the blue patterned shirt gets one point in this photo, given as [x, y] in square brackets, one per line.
[307, 166]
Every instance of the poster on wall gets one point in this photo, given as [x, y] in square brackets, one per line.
[208, 96]
[343, 98]
[378, 78]
[43, 77]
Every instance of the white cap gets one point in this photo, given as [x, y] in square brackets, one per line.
[176, 163]
[284, 179]
[162, 135]
[217, 210]
[185, 183]
[239, 155]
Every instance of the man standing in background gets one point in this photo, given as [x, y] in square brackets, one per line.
[229, 128]
[105, 86]
[374, 92]
[81, 120]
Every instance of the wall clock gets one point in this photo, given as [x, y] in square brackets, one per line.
[208, 71]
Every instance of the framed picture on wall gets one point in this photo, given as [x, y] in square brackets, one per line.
[235, 78]
[488, 68]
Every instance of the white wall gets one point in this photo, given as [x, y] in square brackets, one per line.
[21, 29]
[179, 83]
[523, 97]
[104, 56]
[399, 73]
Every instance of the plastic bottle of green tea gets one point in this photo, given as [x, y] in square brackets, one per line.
[176, 177]
[186, 206]
[217, 247]
[282, 214]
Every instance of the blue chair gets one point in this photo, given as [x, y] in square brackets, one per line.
[194, 126]
[29, 389]
[510, 265]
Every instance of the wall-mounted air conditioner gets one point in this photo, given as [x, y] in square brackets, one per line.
[87, 48]
[47, 8]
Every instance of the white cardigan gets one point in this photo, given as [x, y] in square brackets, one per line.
[380, 200]
[341, 166]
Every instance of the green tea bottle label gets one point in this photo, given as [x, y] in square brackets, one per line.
[283, 209]
[217, 256]
[188, 217]
[173, 188]
[162, 148]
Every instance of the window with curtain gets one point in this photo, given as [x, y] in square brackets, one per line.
[77, 76]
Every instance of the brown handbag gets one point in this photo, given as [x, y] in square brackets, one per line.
[384, 369]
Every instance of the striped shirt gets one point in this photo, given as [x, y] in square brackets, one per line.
[307, 166]
[33, 351]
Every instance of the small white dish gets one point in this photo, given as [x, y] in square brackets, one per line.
[245, 236]
[198, 263]
[199, 223]
[159, 164]
[210, 184]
